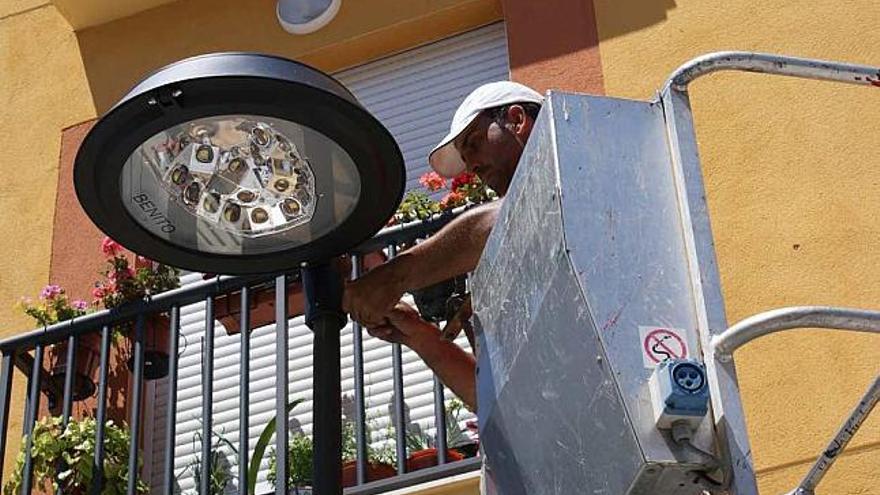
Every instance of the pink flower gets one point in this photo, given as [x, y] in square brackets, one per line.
[79, 305]
[110, 247]
[463, 179]
[99, 292]
[432, 181]
[50, 292]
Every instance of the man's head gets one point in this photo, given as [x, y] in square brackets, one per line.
[488, 133]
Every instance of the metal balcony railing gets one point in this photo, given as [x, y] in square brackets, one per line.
[26, 352]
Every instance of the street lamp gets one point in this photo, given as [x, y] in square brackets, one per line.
[239, 163]
[242, 163]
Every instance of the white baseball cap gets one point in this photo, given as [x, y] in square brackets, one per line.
[444, 158]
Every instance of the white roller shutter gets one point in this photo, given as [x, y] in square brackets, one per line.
[414, 94]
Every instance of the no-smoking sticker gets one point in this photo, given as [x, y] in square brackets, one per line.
[661, 343]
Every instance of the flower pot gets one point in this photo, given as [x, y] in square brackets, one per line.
[426, 458]
[432, 300]
[87, 352]
[156, 345]
[375, 471]
[468, 450]
[227, 307]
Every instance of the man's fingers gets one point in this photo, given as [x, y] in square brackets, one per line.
[382, 332]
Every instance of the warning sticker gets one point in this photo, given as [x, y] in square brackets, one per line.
[661, 343]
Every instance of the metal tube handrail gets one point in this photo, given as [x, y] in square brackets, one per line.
[769, 63]
[835, 318]
[844, 434]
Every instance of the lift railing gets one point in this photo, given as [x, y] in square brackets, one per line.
[16, 352]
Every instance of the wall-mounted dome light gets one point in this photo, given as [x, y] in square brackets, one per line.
[239, 163]
[306, 16]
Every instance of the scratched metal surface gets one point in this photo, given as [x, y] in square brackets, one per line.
[625, 238]
[587, 248]
[552, 420]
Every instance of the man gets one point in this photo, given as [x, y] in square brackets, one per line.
[487, 136]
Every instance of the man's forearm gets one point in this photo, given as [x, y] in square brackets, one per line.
[453, 250]
[455, 367]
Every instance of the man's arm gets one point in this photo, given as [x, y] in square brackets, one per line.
[454, 250]
[455, 367]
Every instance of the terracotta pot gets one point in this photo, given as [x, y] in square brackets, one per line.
[88, 353]
[428, 458]
[227, 307]
[375, 471]
[156, 346]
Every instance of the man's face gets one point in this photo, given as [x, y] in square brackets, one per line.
[492, 148]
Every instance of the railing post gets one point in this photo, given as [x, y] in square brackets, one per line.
[281, 385]
[359, 399]
[207, 398]
[399, 409]
[101, 415]
[137, 398]
[32, 412]
[244, 391]
[171, 414]
[5, 395]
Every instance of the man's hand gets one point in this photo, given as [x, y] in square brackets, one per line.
[405, 326]
[453, 365]
[371, 297]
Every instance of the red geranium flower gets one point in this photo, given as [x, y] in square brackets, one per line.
[110, 247]
[463, 179]
[452, 200]
[432, 181]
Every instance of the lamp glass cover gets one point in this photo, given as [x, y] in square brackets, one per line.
[239, 184]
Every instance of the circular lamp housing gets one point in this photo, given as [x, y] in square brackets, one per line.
[239, 163]
[306, 16]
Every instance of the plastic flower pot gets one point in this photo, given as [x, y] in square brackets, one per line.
[227, 307]
[375, 471]
[426, 458]
[87, 352]
[156, 345]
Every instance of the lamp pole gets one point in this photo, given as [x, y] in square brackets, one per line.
[322, 284]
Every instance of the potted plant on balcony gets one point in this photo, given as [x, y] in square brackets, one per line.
[466, 189]
[54, 306]
[227, 307]
[62, 459]
[122, 284]
[423, 453]
[380, 461]
[220, 472]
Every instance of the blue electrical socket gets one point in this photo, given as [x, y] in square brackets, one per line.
[679, 392]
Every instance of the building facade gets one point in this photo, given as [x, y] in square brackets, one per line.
[791, 167]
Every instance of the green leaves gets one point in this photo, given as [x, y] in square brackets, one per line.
[260, 448]
[74, 445]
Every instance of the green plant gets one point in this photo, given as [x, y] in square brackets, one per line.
[122, 283]
[300, 452]
[299, 462]
[260, 449]
[221, 469]
[75, 446]
[53, 306]
[463, 190]
[416, 205]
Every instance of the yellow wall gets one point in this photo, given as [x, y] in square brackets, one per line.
[52, 77]
[42, 90]
[793, 183]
